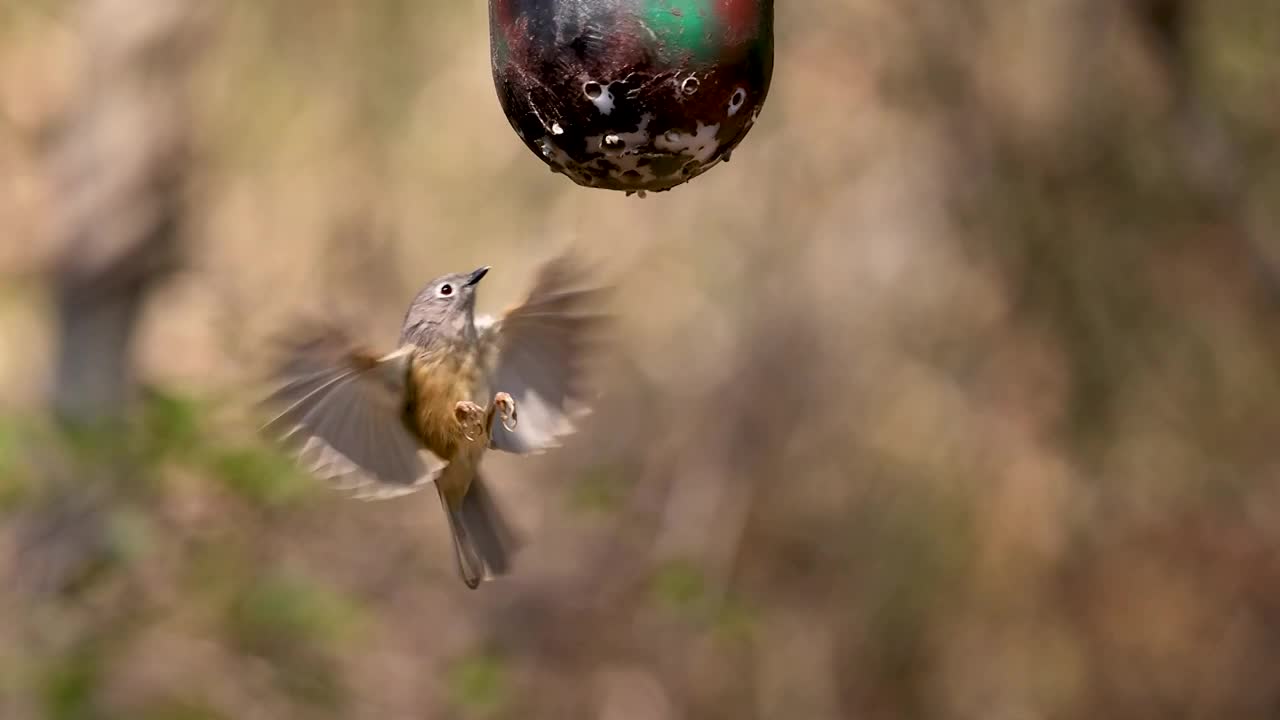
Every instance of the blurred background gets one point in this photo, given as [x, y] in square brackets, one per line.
[955, 395]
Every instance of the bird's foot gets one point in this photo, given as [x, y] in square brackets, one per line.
[506, 406]
[471, 418]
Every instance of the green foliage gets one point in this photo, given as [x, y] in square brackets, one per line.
[181, 709]
[69, 685]
[171, 429]
[279, 615]
[92, 446]
[170, 426]
[924, 541]
[478, 684]
[296, 625]
[680, 586]
[260, 475]
[14, 480]
[129, 534]
[736, 620]
[599, 489]
[215, 568]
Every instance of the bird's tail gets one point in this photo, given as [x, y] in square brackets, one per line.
[482, 540]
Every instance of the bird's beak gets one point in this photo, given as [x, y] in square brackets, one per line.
[475, 276]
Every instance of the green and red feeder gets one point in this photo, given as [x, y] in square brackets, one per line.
[631, 95]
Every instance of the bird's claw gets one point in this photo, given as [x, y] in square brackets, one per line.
[506, 410]
[471, 417]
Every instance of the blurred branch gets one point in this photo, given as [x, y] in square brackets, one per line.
[119, 170]
[118, 165]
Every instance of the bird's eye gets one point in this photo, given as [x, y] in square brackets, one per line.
[445, 290]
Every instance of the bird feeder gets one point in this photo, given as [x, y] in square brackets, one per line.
[631, 95]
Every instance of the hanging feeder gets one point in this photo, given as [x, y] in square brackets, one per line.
[631, 95]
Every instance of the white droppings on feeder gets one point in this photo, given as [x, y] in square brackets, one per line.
[701, 145]
[599, 95]
[614, 142]
[624, 152]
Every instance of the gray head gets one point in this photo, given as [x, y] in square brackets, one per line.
[444, 309]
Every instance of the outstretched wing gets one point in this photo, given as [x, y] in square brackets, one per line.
[538, 353]
[341, 408]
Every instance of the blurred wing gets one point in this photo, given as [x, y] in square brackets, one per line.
[538, 353]
[342, 408]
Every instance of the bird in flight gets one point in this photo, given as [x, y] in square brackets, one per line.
[456, 386]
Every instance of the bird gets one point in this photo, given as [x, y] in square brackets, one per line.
[457, 386]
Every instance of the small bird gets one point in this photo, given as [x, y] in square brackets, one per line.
[426, 413]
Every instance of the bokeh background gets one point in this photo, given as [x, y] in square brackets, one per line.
[955, 395]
